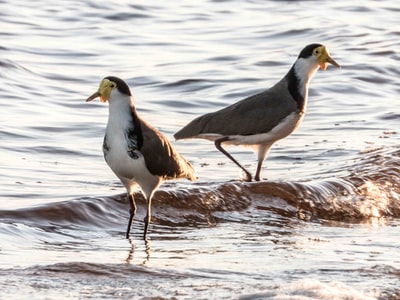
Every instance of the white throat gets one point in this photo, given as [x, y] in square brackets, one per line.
[305, 70]
[120, 110]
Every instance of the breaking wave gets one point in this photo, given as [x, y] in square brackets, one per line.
[372, 190]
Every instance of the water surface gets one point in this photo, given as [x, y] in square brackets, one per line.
[324, 222]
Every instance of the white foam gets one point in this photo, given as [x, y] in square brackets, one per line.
[312, 289]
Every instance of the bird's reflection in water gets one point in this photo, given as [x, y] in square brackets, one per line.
[129, 259]
[131, 253]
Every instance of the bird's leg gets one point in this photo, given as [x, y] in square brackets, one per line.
[132, 212]
[147, 219]
[258, 172]
[218, 145]
[262, 154]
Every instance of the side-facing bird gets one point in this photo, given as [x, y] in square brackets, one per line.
[134, 150]
[262, 119]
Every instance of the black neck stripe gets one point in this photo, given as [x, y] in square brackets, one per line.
[137, 128]
[293, 86]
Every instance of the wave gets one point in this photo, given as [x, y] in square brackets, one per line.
[93, 269]
[109, 281]
[370, 191]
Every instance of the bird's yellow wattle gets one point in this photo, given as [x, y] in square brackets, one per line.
[324, 58]
[103, 92]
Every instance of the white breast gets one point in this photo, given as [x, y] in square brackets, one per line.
[128, 169]
[117, 156]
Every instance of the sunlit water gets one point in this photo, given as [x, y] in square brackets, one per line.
[324, 223]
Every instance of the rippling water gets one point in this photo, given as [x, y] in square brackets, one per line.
[324, 223]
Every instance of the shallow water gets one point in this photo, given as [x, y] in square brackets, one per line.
[324, 223]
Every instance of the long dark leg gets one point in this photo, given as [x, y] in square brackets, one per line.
[147, 219]
[132, 212]
[219, 147]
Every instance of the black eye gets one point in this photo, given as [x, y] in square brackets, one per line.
[316, 51]
[112, 85]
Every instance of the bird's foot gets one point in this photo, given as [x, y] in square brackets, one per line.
[248, 177]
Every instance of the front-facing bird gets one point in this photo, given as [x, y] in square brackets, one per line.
[134, 150]
[262, 119]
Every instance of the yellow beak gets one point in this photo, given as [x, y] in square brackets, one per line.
[94, 96]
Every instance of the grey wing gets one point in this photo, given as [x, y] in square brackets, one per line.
[256, 114]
